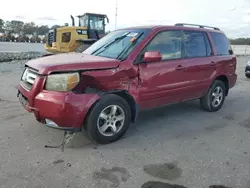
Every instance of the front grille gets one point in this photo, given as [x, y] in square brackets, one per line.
[28, 78]
[51, 37]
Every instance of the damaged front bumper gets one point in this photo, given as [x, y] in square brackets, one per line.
[58, 110]
[51, 124]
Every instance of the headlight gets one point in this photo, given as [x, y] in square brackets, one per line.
[62, 82]
[248, 63]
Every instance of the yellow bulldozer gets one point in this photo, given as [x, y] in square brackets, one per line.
[91, 27]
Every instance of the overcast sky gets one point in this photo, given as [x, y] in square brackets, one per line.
[233, 16]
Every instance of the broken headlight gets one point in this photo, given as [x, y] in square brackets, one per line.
[62, 82]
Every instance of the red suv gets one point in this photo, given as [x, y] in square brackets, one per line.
[101, 90]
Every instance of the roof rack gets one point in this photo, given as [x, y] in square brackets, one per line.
[200, 26]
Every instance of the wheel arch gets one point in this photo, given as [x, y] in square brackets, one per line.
[134, 107]
[225, 80]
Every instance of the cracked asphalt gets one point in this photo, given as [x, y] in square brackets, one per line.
[174, 146]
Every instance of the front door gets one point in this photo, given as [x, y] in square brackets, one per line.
[161, 83]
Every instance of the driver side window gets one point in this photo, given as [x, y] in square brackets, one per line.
[166, 42]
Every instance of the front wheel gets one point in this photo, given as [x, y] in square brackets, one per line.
[109, 119]
[215, 97]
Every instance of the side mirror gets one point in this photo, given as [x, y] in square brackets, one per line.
[152, 57]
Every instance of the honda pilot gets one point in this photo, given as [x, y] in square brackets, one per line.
[102, 90]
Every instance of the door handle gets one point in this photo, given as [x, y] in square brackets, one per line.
[179, 67]
[212, 63]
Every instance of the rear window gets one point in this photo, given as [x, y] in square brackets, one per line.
[196, 44]
[222, 44]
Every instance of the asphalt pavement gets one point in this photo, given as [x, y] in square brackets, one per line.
[175, 146]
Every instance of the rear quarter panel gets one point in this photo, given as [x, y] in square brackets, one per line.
[225, 64]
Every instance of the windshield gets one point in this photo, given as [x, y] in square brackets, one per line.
[117, 44]
[83, 21]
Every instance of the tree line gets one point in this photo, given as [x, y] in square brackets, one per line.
[19, 31]
[29, 31]
[240, 41]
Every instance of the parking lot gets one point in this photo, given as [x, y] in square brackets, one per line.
[175, 146]
[21, 47]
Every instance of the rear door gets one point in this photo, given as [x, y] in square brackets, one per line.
[162, 82]
[224, 58]
[199, 63]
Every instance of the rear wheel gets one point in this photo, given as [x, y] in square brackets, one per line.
[215, 97]
[82, 47]
[109, 119]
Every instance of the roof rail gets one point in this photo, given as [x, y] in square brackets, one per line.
[200, 26]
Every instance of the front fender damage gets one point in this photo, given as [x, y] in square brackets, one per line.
[122, 82]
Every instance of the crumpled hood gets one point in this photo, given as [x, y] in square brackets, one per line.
[70, 62]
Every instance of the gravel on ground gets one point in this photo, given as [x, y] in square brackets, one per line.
[9, 56]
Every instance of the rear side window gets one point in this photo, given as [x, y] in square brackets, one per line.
[222, 44]
[196, 44]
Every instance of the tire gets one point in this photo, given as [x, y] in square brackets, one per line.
[247, 75]
[82, 47]
[95, 122]
[207, 101]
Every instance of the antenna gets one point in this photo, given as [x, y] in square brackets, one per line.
[116, 8]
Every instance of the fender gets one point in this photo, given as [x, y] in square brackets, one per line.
[129, 98]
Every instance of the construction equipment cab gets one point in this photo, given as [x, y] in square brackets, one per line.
[91, 27]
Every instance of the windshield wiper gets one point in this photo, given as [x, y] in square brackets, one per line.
[109, 44]
[127, 48]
